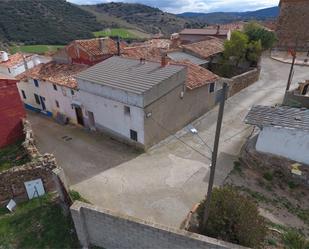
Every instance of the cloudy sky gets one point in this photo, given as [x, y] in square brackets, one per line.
[179, 6]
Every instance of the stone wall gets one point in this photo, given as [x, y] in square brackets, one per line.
[41, 166]
[103, 228]
[295, 100]
[251, 157]
[293, 25]
[240, 82]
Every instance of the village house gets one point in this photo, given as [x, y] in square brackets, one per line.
[299, 96]
[51, 89]
[88, 52]
[18, 63]
[11, 111]
[142, 102]
[196, 35]
[284, 131]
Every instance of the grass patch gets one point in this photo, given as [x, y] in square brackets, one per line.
[13, 155]
[37, 224]
[121, 32]
[77, 196]
[36, 49]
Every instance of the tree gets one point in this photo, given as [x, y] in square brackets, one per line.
[234, 218]
[256, 32]
[236, 48]
[254, 52]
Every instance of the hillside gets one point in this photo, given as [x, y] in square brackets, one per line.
[226, 17]
[45, 22]
[139, 16]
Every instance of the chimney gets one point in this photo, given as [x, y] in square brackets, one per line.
[25, 63]
[118, 47]
[101, 44]
[218, 29]
[164, 60]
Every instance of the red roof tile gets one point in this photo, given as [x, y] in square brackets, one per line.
[206, 31]
[60, 74]
[14, 59]
[206, 48]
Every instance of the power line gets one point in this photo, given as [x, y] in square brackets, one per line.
[171, 134]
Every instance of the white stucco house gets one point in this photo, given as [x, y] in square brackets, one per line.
[13, 65]
[130, 98]
[52, 90]
[284, 131]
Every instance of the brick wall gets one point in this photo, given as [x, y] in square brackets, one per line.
[103, 228]
[11, 113]
[293, 24]
[240, 82]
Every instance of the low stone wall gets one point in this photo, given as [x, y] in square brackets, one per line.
[251, 157]
[104, 228]
[242, 81]
[41, 166]
[294, 100]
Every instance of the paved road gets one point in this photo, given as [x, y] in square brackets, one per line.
[163, 184]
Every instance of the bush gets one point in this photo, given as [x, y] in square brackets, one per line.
[233, 218]
[294, 240]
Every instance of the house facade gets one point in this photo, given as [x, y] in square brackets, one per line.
[284, 131]
[11, 111]
[51, 89]
[196, 35]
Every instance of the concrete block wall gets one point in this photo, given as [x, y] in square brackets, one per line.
[111, 230]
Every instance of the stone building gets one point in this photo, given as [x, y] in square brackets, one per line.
[293, 25]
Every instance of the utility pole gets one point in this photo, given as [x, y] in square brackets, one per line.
[293, 53]
[215, 154]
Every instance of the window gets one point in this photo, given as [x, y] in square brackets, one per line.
[24, 94]
[57, 103]
[212, 87]
[72, 92]
[55, 87]
[9, 70]
[37, 99]
[133, 135]
[36, 83]
[127, 110]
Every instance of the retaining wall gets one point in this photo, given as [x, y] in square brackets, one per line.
[104, 228]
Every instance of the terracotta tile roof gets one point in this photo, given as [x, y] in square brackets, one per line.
[14, 59]
[60, 74]
[229, 26]
[196, 76]
[99, 46]
[207, 31]
[155, 43]
[206, 48]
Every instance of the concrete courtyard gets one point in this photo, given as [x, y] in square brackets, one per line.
[163, 184]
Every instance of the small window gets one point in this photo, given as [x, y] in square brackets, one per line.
[36, 83]
[9, 70]
[37, 99]
[72, 92]
[55, 87]
[212, 87]
[127, 110]
[24, 94]
[57, 103]
[133, 135]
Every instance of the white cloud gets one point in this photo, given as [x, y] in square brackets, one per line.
[179, 6]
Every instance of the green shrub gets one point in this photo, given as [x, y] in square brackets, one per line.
[233, 218]
[294, 240]
[268, 176]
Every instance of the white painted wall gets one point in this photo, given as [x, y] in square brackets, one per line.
[289, 143]
[63, 95]
[109, 113]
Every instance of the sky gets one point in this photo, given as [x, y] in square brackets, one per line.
[180, 6]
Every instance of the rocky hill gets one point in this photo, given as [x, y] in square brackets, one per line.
[139, 16]
[45, 22]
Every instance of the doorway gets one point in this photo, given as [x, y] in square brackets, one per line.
[91, 119]
[305, 90]
[79, 115]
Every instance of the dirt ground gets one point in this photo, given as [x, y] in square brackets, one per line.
[282, 202]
